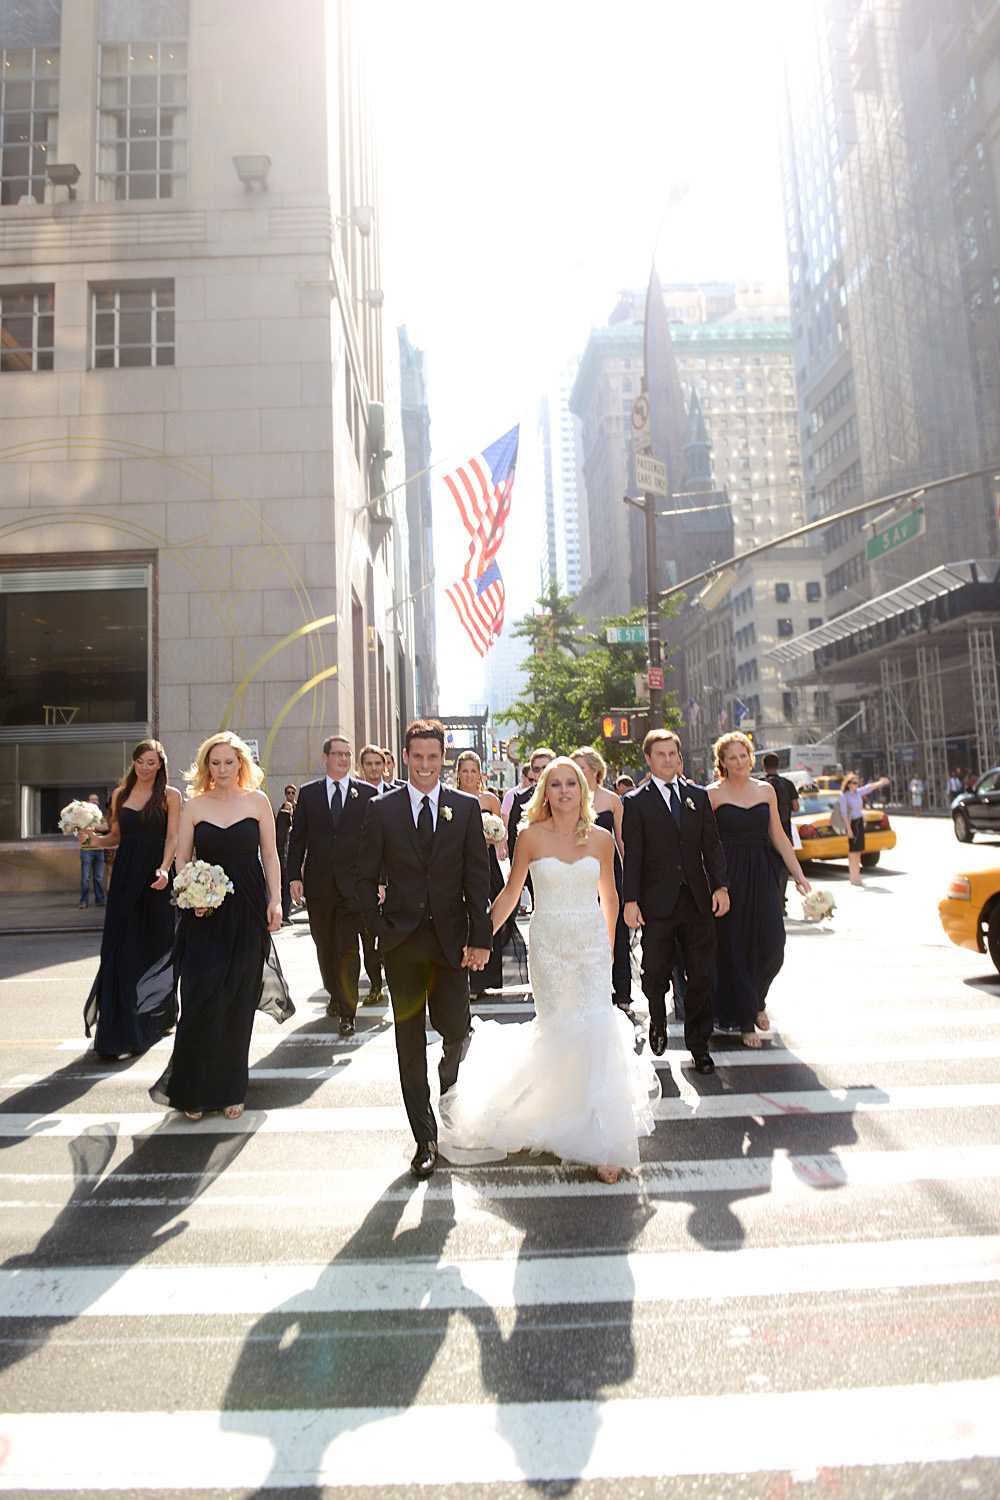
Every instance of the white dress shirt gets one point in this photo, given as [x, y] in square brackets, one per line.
[417, 801]
[664, 788]
[345, 785]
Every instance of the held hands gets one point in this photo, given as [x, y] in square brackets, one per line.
[296, 892]
[720, 902]
[475, 958]
[632, 915]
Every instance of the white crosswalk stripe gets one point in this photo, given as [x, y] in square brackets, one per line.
[503, 1324]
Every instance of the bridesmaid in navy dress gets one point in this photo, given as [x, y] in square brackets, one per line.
[131, 1001]
[225, 964]
[751, 936]
[469, 778]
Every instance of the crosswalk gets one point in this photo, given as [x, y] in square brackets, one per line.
[796, 1292]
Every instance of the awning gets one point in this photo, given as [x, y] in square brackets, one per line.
[898, 601]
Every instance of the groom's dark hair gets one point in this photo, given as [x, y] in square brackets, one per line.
[425, 729]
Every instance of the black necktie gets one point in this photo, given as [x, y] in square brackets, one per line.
[675, 803]
[336, 805]
[425, 825]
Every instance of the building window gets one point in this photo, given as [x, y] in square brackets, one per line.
[814, 591]
[815, 621]
[142, 120]
[785, 628]
[787, 705]
[133, 325]
[26, 329]
[29, 116]
[782, 593]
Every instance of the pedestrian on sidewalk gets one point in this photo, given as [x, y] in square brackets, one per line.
[92, 863]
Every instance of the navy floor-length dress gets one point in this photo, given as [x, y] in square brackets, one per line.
[226, 970]
[621, 964]
[751, 936]
[131, 1002]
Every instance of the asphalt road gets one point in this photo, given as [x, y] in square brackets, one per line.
[795, 1296]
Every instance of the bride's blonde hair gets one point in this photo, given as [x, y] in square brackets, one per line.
[538, 808]
[199, 777]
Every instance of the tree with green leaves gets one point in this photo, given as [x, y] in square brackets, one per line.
[572, 679]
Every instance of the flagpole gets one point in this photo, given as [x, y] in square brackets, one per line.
[653, 646]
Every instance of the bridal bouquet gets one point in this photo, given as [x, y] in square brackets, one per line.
[201, 886]
[493, 828]
[818, 905]
[80, 817]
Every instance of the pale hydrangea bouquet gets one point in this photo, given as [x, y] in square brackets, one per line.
[201, 886]
[80, 817]
[493, 830]
[818, 906]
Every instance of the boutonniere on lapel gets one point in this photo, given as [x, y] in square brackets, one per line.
[689, 803]
[446, 814]
[354, 791]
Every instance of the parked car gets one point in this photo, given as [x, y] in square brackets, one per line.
[978, 811]
[970, 912]
[819, 841]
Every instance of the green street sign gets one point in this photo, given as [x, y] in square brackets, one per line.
[625, 635]
[904, 530]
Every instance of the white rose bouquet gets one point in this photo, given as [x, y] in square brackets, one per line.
[201, 886]
[80, 817]
[818, 905]
[493, 828]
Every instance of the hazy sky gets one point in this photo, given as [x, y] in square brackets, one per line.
[526, 154]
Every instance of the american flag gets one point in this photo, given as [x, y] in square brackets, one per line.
[481, 489]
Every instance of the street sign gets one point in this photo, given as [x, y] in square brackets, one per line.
[642, 435]
[655, 675]
[625, 635]
[651, 474]
[904, 530]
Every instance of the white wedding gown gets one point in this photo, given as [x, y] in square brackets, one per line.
[569, 1081]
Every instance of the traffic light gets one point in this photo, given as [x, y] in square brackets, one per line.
[616, 726]
[503, 749]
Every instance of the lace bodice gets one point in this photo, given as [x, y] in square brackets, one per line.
[569, 957]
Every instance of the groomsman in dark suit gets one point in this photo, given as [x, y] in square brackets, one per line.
[326, 831]
[426, 842]
[389, 780]
[372, 764]
[674, 885]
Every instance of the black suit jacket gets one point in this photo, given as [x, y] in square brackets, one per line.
[330, 855]
[522, 797]
[453, 884]
[660, 857]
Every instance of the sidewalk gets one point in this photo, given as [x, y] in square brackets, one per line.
[32, 913]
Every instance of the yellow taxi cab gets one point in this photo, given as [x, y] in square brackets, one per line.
[820, 841]
[970, 912]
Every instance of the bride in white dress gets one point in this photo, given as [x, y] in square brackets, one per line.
[569, 1081]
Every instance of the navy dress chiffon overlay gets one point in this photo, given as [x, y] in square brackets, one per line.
[131, 1002]
[751, 936]
[225, 970]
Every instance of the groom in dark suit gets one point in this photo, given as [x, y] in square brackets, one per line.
[326, 831]
[674, 887]
[425, 842]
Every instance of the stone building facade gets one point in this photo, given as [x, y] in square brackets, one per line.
[192, 395]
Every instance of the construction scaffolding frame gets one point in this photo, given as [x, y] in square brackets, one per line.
[933, 727]
[985, 694]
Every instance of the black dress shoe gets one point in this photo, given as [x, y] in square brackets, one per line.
[703, 1063]
[424, 1159]
[347, 1026]
[657, 1039]
[375, 997]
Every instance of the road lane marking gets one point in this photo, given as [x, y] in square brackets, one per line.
[303, 1119]
[364, 1448]
[412, 1285]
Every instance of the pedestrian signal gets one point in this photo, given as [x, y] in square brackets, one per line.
[616, 727]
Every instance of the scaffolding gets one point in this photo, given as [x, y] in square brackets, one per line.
[933, 726]
[985, 694]
[897, 727]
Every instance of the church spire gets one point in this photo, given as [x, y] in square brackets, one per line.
[697, 449]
